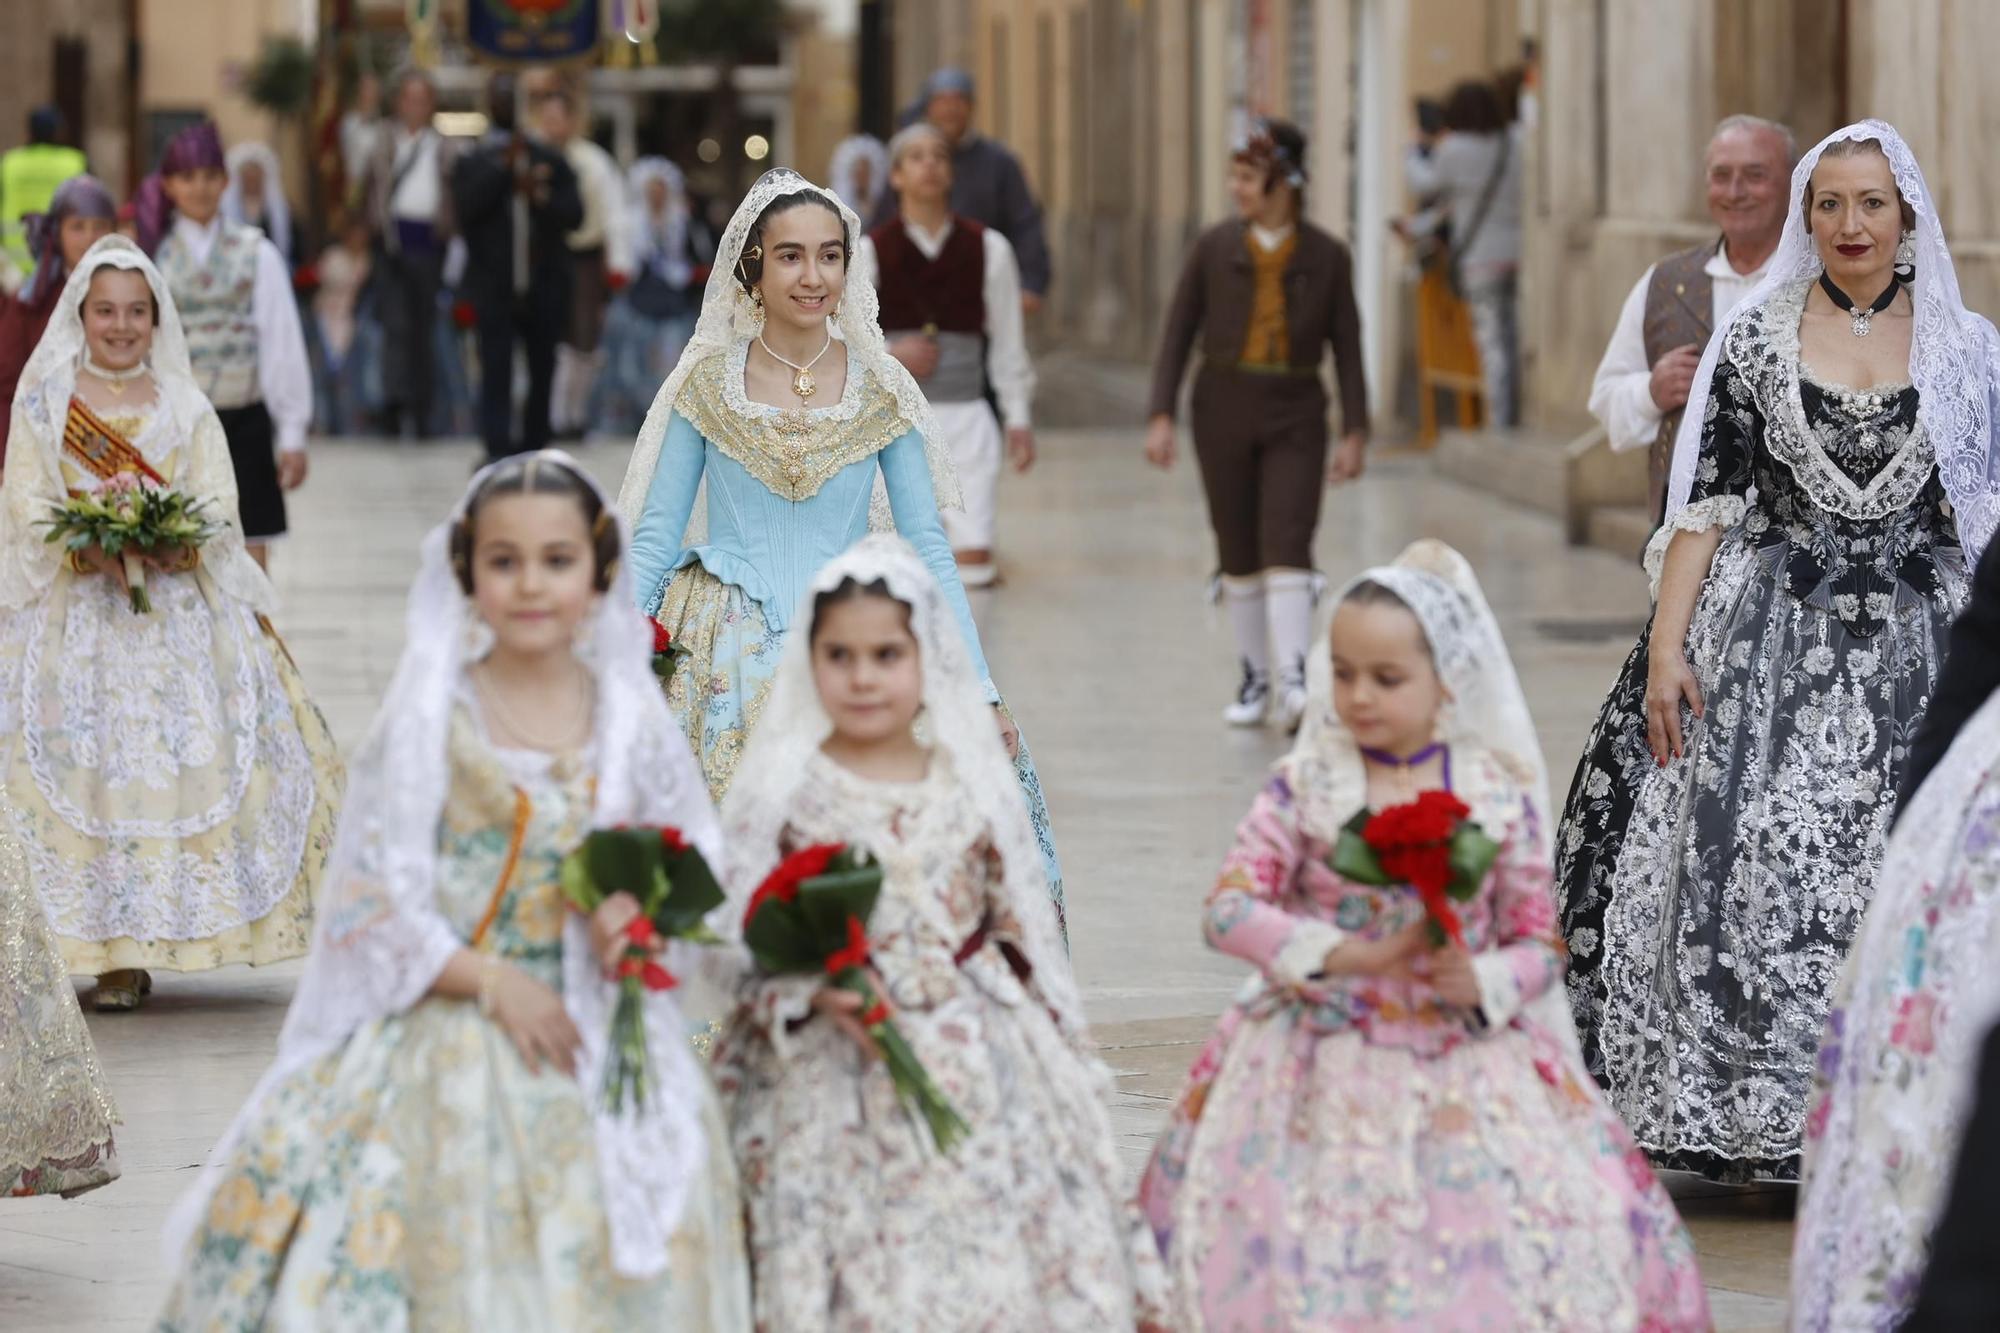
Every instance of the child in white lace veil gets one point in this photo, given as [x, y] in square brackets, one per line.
[957, 723]
[841, 1184]
[1487, 710]
[381, 942]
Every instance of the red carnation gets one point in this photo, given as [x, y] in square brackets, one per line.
[783, 882]
[663, 642]
[671, 839]
[854, 955]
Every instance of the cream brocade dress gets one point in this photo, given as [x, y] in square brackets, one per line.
[173, 786]
[420, 1176]
[55, 1115]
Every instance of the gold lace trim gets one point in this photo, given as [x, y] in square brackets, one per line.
[793, 453]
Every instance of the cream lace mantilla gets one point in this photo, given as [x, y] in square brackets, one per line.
[792, 451]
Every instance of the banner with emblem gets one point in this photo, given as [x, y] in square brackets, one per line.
[532, 31]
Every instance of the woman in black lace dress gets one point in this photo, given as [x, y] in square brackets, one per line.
[1724, 828]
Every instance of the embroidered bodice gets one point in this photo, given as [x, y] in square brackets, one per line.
[1847, 497]
[786, 491]
[510, 819]
[146, 425]
[1279, 904]
[941, 883]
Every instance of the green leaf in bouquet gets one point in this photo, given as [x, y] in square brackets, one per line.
[691, 893]
[780, 940]
[1353, 859]
[1472, 855]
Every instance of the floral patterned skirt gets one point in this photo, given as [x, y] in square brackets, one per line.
[173, 785]
[421, 1177]
[55, 1132]
[858, 1225]
[1321, 1182]
[1708, 905]
[724, 677]
[1895, 1072]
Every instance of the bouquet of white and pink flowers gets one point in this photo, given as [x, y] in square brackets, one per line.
[129, 517]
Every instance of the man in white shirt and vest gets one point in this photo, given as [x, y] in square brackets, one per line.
[951, 307]
[1642, 384]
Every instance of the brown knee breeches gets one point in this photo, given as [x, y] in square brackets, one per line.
[1261, 441]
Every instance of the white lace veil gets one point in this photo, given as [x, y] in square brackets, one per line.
[1954, 353]
[277, 221]
[841, 171]
[957, 724]
[728, 317]
[41, 409]
[1487, 711]
[380, 942]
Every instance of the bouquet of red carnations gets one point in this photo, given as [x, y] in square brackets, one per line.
[810, 916]
[128, 517]
[1430, 844]
[676, 892]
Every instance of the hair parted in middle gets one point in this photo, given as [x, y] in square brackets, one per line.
[533, 474]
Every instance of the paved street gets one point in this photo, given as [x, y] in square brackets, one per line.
[1115, 666]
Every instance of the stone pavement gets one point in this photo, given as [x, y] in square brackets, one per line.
[1117, 670]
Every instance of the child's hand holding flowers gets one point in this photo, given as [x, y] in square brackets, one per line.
[1453, 978]
[1389, 957]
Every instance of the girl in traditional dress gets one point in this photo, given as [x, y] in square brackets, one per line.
[172, 785]
[1725, 826]
[55, 1136]
[856, 1221]
[428, 1150]
[790, 417]
[1381, 1136]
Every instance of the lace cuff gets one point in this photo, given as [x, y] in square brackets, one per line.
[1717, 511]
[1500, 997]
[780, 1005]
[1303, 954]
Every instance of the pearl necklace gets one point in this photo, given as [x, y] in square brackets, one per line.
[573, 734]
[803, 383]
[115, 380]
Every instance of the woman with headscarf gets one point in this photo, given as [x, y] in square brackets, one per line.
[859, 173]
[653, 318]
[255, 195]
[170, 781]
[1725, 828]
[81, 213]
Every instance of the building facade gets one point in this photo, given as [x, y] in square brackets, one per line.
[1122, 112]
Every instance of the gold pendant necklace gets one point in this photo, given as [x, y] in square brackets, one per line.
[803, 383]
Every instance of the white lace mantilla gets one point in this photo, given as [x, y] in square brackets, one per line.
[1764, 345]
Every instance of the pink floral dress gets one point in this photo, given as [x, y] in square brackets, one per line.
[1354, 1153]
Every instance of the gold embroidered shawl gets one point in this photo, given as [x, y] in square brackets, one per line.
[793, 453]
